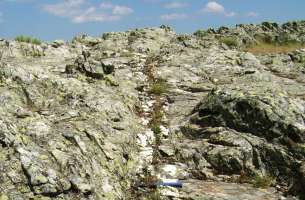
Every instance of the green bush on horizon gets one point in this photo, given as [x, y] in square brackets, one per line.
[229, 41]
[200, 33]
[28, 39]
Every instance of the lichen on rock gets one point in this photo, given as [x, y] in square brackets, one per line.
[107, 117]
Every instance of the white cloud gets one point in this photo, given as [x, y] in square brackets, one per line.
[90, 15]
[252, 14]
[174, 5]
[216, 8]
[116, 9]
[80, 11]
[230, 14]
[68, 8]
[121, 10]
[106, 5]
[174, 16]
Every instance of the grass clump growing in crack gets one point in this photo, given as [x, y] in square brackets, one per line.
[157, 115]
[159, 87]
[156, 128]
[256, 180]
[28, 39]
[156, 120]
[155, 195]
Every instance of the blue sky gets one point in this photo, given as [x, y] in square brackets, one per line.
[62, 19]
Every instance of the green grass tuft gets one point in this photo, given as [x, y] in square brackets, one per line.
[28, 39]
[156, 119]
[159, 88]
[156, 129]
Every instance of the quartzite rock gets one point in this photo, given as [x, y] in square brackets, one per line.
[75, 116]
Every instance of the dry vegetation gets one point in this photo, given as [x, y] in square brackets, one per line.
[262, 181]
[229, 41]
[265, 48]
[265, 44]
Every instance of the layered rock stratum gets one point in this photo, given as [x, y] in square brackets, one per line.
[107, 117]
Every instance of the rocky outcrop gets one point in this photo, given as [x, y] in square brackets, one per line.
[107, 117]
[264, 131]
[63, 135]
[264, 112]
[270, 32]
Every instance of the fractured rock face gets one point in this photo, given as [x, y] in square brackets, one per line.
[260, 111]
[266, 31]
[79, 120]
[42, 179]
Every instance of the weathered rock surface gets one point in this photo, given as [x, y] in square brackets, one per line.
[247, 34]
[105, 117]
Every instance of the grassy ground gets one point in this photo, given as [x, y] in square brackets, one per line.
[265, 48]
[264, 45]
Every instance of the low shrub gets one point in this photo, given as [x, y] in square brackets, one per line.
[229, 41]
[200, 33]
[264, 38]
[166, 28]
[28, 39]
[262, 181]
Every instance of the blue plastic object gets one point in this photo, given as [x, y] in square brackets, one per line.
[169, 182]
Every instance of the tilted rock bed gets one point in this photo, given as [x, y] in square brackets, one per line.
[74, 117]
[269, 32]
[263, 131]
